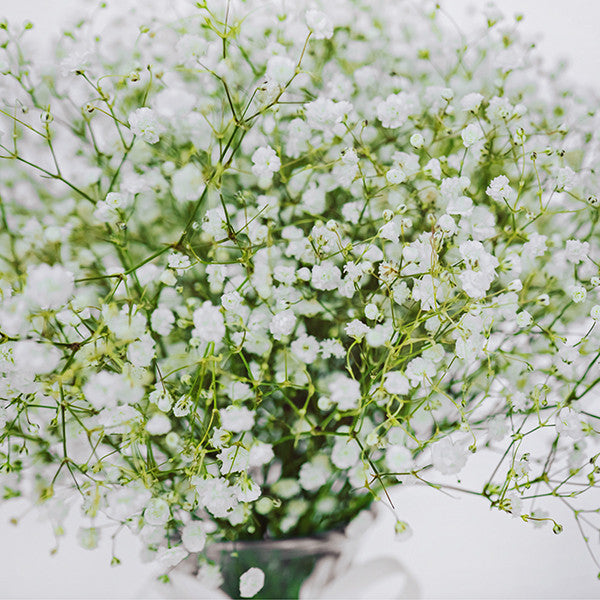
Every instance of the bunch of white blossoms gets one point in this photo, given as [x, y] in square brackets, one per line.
[263, 261]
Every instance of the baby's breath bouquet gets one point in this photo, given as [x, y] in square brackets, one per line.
[262, 260]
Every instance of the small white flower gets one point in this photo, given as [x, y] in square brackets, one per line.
[260, 454]
[568, 423]
[265, 162]
[448, 225]
[209, 324]
[178, 261]
[320, 24]
[543, 299]
[232, 302]
[516, 285]
[220, 437]
[214, 225]
[239, 390]
[49, 287]
[333, 348]
[417, 140]
[286, 488]
[251, 582]
[162, 320]
[471, 102]
[499, 190]
[448, 457]
[394, 111]
[499, 109]
[325, 276]
[315, 473]
[471, 134]
[398, 458]
[187, 183]
[390, 232]
[395, 176]
[372, 311]
[157, 512]
[193, 536]
[524, 319]
[565, 179]
[141, 352]
[280, 69]
[161, 398]
[117, 200]
[247, 490]
[305, 348]
[576, 251]
[481, 268]
[356, 329]
[284, 274]
[433, 168]
[420, 371]
[170, 557]
[536, 246]
[145, 124]
[217, 495]
[282, 324]
[345, 453]
[345, 392]
[578, 293]
[159, 424]
[183, 406]
[168, 278]
[233, 459]
[88, 537]
[515, 504]
[396, 382]
[403, 531]
[105, 213]
[429, 292]
[236, 418]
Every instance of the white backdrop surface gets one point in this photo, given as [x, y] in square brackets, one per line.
[460, 549]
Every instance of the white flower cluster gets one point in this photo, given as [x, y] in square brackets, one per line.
[303, 253]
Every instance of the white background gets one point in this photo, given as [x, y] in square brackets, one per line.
[460, 548]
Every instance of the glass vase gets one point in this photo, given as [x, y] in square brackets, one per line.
[287, 564]
[321, 567]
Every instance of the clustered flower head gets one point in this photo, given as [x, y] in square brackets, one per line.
[260, 262]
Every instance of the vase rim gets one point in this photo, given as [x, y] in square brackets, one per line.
[319, 543]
